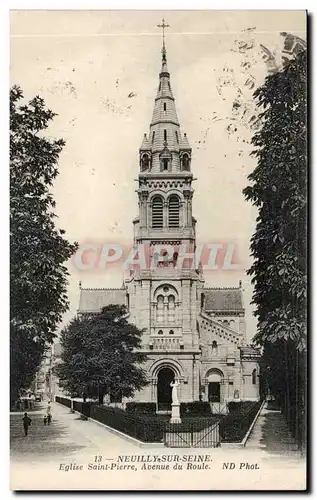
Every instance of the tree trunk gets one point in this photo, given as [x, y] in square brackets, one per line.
[287, 391]
[101, 394]
[297, 405]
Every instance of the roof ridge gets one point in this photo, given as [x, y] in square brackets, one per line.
[95, 288]
[222, 288]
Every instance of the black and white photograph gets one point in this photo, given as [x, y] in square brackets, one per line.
[158, 250]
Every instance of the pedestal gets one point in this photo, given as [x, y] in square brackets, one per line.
[175, 418]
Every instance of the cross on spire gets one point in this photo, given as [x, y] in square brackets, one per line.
[163, 26]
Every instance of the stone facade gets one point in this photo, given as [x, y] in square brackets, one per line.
[191, 333]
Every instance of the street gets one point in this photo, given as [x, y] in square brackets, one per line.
[58, 457]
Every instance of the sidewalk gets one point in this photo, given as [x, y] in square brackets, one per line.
[38, 461]
[271, 434]
[68, 436]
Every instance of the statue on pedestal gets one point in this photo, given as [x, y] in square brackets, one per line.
[174, 386]
[175, 418]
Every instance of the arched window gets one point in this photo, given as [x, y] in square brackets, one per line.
[173, 211]
[175, 257]
[165, 163]
[160, 332]
[176, 134]
[185, 161]
[164, 106]
[226, 322]
[157, 212]
[166, 305]
[171, 332]
[214, 348]
[254, 377]
[202, 301]
[171, 308]
[145, 162]
[165, 135]
[160, 309]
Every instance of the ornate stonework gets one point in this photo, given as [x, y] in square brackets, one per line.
[191, 333]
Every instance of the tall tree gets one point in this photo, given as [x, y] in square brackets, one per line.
[278, 245]
[38, 250]
[101, 355]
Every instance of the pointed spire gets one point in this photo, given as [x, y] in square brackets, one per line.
[185, 144]
[164, 70]
[163, 52]
[165, 140]
[145, 144]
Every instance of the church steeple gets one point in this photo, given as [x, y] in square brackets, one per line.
[165, 150]
[165, 180]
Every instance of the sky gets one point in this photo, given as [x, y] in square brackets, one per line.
[98, 70]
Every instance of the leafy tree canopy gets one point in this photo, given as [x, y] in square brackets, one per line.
[278, 189]
[38, 250]
[101, 354]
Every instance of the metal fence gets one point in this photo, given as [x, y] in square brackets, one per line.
[63, 401]
[142, 427]
[200, 433]
[219, 408]
[236, 424]
[83, 408]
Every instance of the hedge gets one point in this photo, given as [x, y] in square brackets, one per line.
[235, 425]
[141, 408]
[144, 428]
[241, 407]
[198, 408]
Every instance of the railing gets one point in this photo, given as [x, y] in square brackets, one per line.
[63, 401]
[198, 433]
[219, 408]
[192, 432]
[144, 428]
[165, 344]
[83, 408]
[173, 272]
[235, 425]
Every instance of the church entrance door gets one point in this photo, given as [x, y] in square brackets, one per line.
[214, 392]
[164, 389]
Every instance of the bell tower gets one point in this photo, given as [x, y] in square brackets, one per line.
[164, 297]
[165, 179]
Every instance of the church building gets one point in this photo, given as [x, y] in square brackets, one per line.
[192, 334]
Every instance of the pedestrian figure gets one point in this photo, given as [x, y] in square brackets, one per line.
[26, 423]
[49, 418]
[45, 419]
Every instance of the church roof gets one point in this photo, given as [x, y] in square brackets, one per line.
[145, 144]
[223, 299]
[94, 299]
[184, 143]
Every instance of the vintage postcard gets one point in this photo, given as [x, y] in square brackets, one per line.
[158, 250]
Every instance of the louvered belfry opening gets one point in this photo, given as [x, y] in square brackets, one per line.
[173, 211]
[157, 212]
